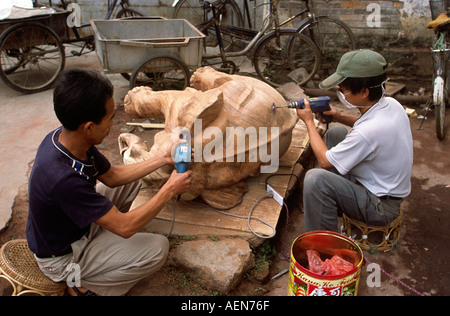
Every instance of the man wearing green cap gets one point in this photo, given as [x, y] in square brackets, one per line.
[365, 171]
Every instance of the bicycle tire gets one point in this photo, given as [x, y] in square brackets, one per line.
[161, 72]
[64, 3]
[42, 57]
[194, 12]
[295, 59]
[128, 13]
[333, 38]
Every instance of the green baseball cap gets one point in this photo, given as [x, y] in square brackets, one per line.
[361, 63]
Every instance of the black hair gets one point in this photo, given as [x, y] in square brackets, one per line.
[80, 96]
[374, 84]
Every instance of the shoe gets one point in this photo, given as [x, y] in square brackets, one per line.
[79, 293]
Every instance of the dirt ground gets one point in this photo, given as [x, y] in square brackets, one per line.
[420, 261]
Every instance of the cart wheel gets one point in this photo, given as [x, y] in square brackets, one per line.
[161, 72]
[32, 56]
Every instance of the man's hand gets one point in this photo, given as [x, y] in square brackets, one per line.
[335, 115]
[127, 224]
[179, 183]
[169, 151]
[306, 115]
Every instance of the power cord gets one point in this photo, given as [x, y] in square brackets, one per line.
[249, 217]
[269, 194]
[173, 219]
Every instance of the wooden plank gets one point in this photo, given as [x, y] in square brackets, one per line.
[148, 125]
[393, 87]
[192, 218]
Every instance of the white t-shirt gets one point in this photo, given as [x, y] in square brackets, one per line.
[378, 150]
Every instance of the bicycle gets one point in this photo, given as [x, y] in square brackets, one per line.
[124, 11]
[441, 80]
[199, 14]
[331, 35]
[278, 55]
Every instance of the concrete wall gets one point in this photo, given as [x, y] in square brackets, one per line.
[97, 9]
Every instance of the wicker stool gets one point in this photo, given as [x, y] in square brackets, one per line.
[19, 267]
[373, 238]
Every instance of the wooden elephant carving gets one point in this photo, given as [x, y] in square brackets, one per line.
[230, 123]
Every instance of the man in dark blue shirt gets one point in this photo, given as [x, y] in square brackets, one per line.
[75, 224]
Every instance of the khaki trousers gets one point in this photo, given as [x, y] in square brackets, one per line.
[327, 194]
[106, 263]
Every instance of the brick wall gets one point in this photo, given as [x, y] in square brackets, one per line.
[369, 19]
[395, 28]
[387, 20]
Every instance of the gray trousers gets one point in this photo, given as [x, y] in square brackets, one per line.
[327, 194]
[106, 263]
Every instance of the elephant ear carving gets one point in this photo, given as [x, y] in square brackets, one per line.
[132, 147]
[203, 105]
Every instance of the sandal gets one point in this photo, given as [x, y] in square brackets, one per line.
[79, 293]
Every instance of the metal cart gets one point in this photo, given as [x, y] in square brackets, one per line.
[157, 52]
[32, 53]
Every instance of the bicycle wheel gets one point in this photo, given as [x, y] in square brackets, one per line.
[200, 16]
[125, 13]
[289, 57]
[32, 56]
[161, 72]
[333, 38]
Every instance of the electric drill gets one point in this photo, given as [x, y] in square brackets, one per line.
[182, 157]
[182, 161]
[318, 105]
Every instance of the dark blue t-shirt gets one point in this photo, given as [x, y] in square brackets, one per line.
[62, 197]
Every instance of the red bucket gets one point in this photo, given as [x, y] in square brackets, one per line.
[303, 282]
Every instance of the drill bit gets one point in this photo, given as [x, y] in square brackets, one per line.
[274, 107]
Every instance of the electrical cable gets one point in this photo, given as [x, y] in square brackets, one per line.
[249, 217]
[173, 219]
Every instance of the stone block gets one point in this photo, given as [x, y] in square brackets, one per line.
[217, 265]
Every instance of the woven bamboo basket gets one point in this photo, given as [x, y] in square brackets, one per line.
[373, 238]
[19, 267]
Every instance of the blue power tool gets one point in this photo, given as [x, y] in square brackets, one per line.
[182, 158]
[318, 105]
[182, 161]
